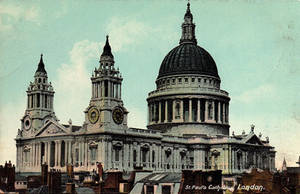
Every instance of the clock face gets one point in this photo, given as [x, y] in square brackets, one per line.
[118, 115]
[93, 115]
[27, 122]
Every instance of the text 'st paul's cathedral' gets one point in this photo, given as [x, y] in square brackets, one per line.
[188, 121]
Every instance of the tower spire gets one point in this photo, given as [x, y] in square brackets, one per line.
[41, 66]
[107, 49]
[188, 27]
[284, 168]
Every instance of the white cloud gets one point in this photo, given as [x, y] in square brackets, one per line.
[73, 86]
[10, 115]
[126, 32]
[9, 14]
[32, 14]
[136, 118]
[259, 93]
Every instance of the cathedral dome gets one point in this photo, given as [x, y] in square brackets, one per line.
[188, 58]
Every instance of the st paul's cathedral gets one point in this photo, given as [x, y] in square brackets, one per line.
[188, 121]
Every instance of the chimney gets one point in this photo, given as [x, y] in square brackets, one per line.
[70, 171]
[44, 174]
[70, 188]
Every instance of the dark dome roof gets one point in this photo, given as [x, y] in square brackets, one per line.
[188, 58]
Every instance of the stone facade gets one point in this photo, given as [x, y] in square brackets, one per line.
[188, 124]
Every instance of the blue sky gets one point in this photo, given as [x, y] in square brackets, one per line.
[255, 44]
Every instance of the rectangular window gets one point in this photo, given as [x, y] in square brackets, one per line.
[38, 100]
[93, 154]
[45, 101]
[166, 189]
[117, 153]
[105, 88]
[150, 189]
[77, 155]
[144, 155]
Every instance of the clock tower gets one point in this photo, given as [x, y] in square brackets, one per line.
[106, 111]
[39, 108]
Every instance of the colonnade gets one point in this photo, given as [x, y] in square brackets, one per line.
[55, 153]
[39, 100]
[127, 155]
[188, 110]
[106, 88]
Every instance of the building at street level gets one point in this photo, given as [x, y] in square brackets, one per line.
[188, 121]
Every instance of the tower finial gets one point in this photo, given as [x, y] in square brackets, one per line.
[107, 48]
[41, 66]
[188, 6]
[188, 27]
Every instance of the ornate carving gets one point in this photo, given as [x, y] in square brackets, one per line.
[54, 130]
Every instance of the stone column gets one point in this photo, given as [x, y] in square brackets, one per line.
[213, 110]
[198, 110]
[120, 92]
[150, 157]
[159, 157]
[206, 111]
[32, 156]
[159, 112]
[233, 160]
[149, 114]
[100, 150]
[181, 110]
[86, 161]
[109, 88]
[126, 155]
[66, 153]
[93, 90]
[38, 154]
[224, 113]
[49, 152]
[219, 112]
[190, 110]
[138, 154]
[173, 109]
[109, 151]
[229, 160]
[166, 111]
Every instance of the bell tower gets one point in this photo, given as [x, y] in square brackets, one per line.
[106, 110]
[39, 108]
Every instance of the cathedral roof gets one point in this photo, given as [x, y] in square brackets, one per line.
[188, 57]
[41, 66]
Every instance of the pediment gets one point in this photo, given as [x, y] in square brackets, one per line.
[253, 139]
[52, 128]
